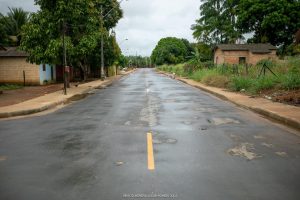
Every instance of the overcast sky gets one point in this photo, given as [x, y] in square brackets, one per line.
[144, 23]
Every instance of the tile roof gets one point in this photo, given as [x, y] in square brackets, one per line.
[254, 48]
[11, 52]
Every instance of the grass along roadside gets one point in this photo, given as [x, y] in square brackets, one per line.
[10, 87]
[285, 85]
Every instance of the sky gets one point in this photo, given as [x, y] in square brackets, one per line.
[144, 22]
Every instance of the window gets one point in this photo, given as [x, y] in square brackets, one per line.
[242, 60]
[44, 67]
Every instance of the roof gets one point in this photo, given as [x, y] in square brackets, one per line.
[254, 48]
[11, 52]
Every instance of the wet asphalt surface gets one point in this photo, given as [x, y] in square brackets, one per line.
[96, 148]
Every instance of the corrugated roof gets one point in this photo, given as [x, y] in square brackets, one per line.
[12, 52]
[254, 48]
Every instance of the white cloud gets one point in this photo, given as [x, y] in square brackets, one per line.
[145, 22]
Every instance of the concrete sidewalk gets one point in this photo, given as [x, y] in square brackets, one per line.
[282, 113]
[54, 99]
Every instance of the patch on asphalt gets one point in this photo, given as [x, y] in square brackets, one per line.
[243, 150]
[259, 137]
[281, 154]
[211, 110]
[149, 113]
[220, 121]
[119, 163]
[159, 139]
[187, 122]
[3, 158]
[128, 123]
[267, 145]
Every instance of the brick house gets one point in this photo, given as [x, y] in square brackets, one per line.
[243, 53]
[13, 68]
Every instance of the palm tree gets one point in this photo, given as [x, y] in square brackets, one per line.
[13, 22]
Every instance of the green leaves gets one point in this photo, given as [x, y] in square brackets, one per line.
[42, 36]
[217, 22]
[170, 50]
[273, 21]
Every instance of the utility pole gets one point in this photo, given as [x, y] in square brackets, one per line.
[64, 59]
[102, 40]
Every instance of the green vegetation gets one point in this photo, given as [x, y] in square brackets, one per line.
[11, 25]
[226, 76]
[42, 36]
[10, 87]
[225, 21]
[171, 50]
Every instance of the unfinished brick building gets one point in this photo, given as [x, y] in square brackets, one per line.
[243, 53]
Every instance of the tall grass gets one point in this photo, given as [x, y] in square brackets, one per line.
[239, 78]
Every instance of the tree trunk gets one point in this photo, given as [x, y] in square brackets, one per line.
[83, 67]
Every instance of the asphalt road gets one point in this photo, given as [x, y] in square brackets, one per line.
[99, 148]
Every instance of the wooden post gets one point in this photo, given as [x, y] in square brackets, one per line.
[24, 78]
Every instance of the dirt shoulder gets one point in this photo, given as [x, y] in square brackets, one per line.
[11, 97]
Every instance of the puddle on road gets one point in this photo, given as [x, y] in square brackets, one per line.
[220, 121]
[243, 150]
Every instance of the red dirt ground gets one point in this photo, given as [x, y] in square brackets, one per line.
[291, 97]
[10, 97]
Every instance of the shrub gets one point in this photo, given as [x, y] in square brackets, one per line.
[216, 80]
[238, 83]
[290, 81]
[263, 84]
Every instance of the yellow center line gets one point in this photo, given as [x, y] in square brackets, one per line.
[151, 165]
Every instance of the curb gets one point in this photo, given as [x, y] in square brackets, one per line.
[4, 115]
[293, 123]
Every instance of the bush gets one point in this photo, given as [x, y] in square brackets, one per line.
[199, 74]
[290, 81]
[238, 83]
[215, 80]
[263, 84]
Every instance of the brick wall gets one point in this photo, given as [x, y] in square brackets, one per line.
[232, 57]
[255, 58]
[11, 71]
[218, 57]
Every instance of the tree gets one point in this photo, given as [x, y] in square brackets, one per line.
[217, 22]
[80, 20]
[169, 50]
[273, 21]
[11, 25]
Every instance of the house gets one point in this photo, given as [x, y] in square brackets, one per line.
[15, 69]
[243, 53]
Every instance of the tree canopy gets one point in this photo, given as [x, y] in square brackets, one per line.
[224, 21]
[11, 25]
[81, 22]
[217, 23]
[273, 21]
[171, 50]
